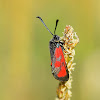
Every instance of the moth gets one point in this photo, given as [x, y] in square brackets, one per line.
[58, 64]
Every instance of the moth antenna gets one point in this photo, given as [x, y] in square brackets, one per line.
[44, 24]
[56, 25]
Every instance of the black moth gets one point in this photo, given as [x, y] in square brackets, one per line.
[58, 64]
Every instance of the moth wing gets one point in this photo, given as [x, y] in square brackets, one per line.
[59, 67]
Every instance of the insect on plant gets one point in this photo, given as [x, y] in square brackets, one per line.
[58, 64]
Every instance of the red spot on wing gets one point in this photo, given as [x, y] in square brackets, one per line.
[51, 63]
[57, 64]
[58, 52]
[62, 72]
[61, 63]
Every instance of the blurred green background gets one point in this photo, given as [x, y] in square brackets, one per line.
[25, 72]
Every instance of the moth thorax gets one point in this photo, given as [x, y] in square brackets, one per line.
[58, 45]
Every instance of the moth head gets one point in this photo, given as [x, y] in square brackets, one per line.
[56, 38]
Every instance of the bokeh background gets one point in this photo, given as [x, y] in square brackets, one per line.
[25, 72]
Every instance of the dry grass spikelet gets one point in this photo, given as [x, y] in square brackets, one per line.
[70, 39]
